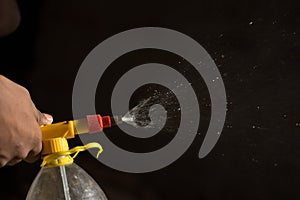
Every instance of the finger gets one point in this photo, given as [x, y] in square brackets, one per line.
[3, 161]
[32, 159]
[33, 156]
[43, 119]
[14, 161]
[40, 118]
[49, 118]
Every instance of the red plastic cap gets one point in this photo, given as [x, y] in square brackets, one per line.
[106, 122]
[94, 124]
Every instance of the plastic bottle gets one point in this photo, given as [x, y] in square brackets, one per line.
[64, 183]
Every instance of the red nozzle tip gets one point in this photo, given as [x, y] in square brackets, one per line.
[106, 121]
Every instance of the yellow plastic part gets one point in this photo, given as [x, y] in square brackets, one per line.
[64, 129]
[55, 145]
[55, 137]
[56, 161]
[63, 157]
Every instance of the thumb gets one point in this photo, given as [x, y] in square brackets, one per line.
[43, 118]
[49, 118]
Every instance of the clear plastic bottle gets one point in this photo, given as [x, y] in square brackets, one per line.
[64, 183]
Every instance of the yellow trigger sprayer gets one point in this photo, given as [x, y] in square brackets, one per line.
[54, 137]
[59, 177]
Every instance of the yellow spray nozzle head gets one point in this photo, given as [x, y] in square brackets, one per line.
[54, 138]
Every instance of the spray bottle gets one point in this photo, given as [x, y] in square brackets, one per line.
[60, 177]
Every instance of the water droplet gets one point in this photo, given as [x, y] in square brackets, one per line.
[284, 116]
[229, 126]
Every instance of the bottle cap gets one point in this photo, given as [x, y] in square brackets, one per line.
[55, 145]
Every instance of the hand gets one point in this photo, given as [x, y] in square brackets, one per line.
[20, 133]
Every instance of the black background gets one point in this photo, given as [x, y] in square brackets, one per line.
[256, 47]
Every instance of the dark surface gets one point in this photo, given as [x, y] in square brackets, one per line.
[255, 45]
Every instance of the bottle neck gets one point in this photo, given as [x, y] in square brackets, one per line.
[59, 161]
